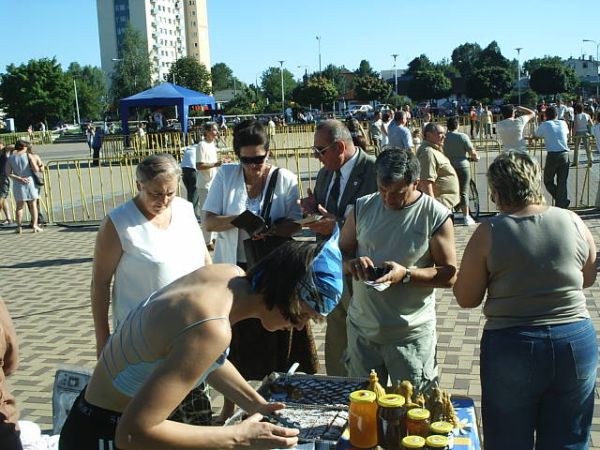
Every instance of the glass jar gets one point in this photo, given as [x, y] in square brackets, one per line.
[442, 428]
[437, 442]
[363, 419]
[390, 415]
[412, 442]
[417, 422]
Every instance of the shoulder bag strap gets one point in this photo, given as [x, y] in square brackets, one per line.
[266, 209]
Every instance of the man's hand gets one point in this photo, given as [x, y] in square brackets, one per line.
[359, 267]
[395, 273]
[324, 226]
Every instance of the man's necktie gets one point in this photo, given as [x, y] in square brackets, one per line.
[334, 194]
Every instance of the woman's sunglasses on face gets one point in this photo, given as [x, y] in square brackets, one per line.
[248, 160]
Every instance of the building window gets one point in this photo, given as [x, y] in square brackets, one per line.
[195, 44]
[585, 65]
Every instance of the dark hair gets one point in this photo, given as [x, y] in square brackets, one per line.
[277, 275]
[431, 127]
[452, 123]
[507, 111]
[578, 108]
[399, 115]
[551, 113]
[249, 132]
[357, 132]
[386, 116]
[395, 164]
[207, 126]
[21, 144]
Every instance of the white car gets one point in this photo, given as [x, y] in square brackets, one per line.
[360, 110]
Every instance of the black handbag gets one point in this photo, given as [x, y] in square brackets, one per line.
[256, 249]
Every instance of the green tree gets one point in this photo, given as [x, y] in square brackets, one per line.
[246, 101]
[372, 88]
[419, 64]
[222, 78]
[465, 57]
[528, 97]
[271, 83]
[491, 56]
[317, 90]
[92, 92]
[189, 73]
[429, 84]
[337, 74]
[36, 91]
[549, 80]
[132, 70]
[490, 83]
[535, 63]
[365, 70]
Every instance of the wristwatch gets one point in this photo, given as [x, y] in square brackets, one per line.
[406, 278]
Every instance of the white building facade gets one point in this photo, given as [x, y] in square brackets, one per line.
[172, 28]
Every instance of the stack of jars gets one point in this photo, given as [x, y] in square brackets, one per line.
[385, 421]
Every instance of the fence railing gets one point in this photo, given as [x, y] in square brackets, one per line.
[35, 137]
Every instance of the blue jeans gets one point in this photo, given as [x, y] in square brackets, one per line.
[538, 380]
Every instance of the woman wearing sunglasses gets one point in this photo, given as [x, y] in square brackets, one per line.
[235, 189]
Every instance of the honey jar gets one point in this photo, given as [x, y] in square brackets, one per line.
[412, 442]
[390, 423]
[363, 419]
[417, 422]
[437, 442]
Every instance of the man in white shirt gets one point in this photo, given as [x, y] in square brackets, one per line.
[555, 133]
[510, 130]
[398, 133]
[561, 109]
[207, 162]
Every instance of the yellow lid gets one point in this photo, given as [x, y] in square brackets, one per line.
[437, 441]
[413, 442]
[441, 427]
[418, 414]
[391, 401]
[363, 396]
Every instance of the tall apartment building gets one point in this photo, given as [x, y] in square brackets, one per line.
[172, 28]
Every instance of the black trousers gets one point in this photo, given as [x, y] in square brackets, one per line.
[9, 436]
[188, 176]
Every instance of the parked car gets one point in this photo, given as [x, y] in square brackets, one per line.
[384, 107]
[360, 110]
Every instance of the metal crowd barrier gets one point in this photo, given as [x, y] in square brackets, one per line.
[36, 137]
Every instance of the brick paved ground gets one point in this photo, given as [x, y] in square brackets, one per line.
[45, 280]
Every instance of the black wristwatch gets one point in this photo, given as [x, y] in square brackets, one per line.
[406, 278]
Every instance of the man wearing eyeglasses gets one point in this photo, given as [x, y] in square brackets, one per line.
[348, 173]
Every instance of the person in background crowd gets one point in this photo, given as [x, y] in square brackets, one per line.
[359, 137]
[235, 189]
[9, 360]
[375, 133]
[89, 136]
[411, 237]
[486, 119]
[386, 119]
[155, 234]
[159, 120]
[416, 138]
[539, 351]
[473, 121]
[5, 152]
[398, 133]
[561, 109]
[438, 178]
[188, 176]
[595, 131]
[179, 337]
[426, 120]
[478, 124]
[556, 134]
[97, 142]
[458, 148]
[510, 130]
[569, 116]
[582, 125]
[19, 167]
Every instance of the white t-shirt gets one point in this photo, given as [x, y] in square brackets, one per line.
[596, 133]
[188, 160]
[555, 134]
[511, 133]
[560, 111]
[581, 122]
[206, 153]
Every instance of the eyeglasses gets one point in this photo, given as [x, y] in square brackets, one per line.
[321, 151]
[247, 160]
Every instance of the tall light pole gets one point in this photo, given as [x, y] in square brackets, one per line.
[76, 101]
[395, 55]
[518, 49]
[319, 40]
[597, 74]
[282, 91]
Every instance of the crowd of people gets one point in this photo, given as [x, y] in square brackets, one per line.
[384, 228]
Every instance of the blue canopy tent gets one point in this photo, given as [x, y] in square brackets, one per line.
[165, 94]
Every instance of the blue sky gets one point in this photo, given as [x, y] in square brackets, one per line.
[251, 35]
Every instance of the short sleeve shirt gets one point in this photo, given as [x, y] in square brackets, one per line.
[206, 153]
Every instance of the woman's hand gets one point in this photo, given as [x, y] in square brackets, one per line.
[268, 409]
[256, 434]
[23, 180]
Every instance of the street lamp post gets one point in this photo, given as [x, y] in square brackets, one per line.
[597, 73]
[76, 102]
[395, 55]
[319, 40]
[282, 91]
[518, 49]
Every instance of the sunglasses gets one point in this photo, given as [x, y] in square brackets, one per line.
[321, 151]
[247, 160]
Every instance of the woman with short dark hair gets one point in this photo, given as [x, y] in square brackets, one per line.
[539, 349]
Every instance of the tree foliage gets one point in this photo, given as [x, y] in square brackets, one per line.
[336, 74]
[246, 101]
[535, 63]
[489, 82]
[131, 73]
[92, 92]
[365, 70]
[317, 90]
[222, 78]
[491, 56]
[372, 88]
[36, 91]
[428, 84]
[189, 73]
[271, 83]
[420, 64]
[465, 57]
[549, 80]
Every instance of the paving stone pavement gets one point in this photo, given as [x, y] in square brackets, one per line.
[45, 278]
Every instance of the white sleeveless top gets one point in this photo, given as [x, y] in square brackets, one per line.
[152, 257]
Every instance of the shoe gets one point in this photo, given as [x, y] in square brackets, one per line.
[469, 221]
[19, 230]
[37, 230]
[574, 164]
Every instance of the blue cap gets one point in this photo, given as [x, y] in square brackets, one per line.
[322, 286]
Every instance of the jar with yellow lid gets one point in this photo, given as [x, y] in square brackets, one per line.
[412, 442]
[390, 423]
[437, 442]
[417, 422]
[363, 419]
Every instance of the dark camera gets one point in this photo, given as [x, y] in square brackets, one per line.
[376, 272]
